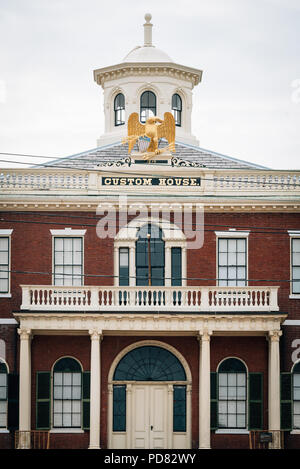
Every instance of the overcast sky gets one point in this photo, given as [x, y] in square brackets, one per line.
[247, 106]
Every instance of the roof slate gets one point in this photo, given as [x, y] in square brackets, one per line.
[111, 154]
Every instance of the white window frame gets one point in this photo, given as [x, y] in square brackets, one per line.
[232, 233]
[67, 232]
[5, 429]
[7, 234]
[172, 236]
[228, 430]
[294, 234]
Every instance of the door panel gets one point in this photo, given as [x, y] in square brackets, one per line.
[150, 416]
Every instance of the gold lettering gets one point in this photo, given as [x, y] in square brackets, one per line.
[162, 181]
[147, 181]
[193, 182]
[185, 182]
[107, 181]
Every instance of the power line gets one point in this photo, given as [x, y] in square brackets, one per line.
[116, 226]
[214, 179]
[162, 221]
[61, 274]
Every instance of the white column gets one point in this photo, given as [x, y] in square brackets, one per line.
[188, 416]
[25, 388]
[274, 388]
[168, 267]
[132, 280]
[170, 401]
[95, 390]
[204, 390]
[116, 266]
[128, 416]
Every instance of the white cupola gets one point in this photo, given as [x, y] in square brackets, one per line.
[147, 81]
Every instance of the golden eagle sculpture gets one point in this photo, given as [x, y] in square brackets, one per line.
[155, 129]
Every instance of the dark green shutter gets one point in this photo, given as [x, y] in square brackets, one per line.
[213, 401]
[255, 401]
[86, 387]
[176, 268]
[43, 401]
[13, 401]
[286, 401]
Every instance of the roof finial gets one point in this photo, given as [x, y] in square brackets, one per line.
[148, 31]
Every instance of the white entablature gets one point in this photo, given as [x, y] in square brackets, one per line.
[147, 68]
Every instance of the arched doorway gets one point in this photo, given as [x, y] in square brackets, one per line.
[149, 398]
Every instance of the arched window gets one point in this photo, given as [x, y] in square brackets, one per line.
[148, 106]
[296, 396]
[150, 256]
[119, 108]
[232, 394]
[149, 363]
[3, 395]
[67, 381]
[177, 109]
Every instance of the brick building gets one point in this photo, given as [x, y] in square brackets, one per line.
[149, 304]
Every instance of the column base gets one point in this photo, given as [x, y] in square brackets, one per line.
[94, 447]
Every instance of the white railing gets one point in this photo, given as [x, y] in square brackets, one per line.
[149, 299]
[212, 181]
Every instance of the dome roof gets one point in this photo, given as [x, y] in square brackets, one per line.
[147, 54]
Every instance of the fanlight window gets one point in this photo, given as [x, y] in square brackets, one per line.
[149, 363]
[119, 108]
[177, 109]
[148, 106]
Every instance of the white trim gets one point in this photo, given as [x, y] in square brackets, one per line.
[232, 233]
[294, 296]
[8, 321]
[4, 430]
[66, 430]
[294, 233]
[233, 431]
[291, 322]
[6, 232]
[295, 432]
[68, 232]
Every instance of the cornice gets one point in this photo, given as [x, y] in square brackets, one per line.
[120, 324]
[192, 75]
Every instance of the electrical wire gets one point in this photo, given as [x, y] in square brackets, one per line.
[61, 274]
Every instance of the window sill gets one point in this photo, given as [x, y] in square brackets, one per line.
[294, 296]
[5, 295]
[232, 431]
[295, 432]
[66, 430]
[4, 430]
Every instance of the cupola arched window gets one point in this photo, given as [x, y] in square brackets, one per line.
[177, 109]
[119, 109]
[148, 106]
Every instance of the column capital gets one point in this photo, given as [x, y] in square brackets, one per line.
[274, 336]
[95, 334]
[204, 335]
[25, 334]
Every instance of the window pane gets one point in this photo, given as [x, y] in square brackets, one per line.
[222, 245]
[296, 245]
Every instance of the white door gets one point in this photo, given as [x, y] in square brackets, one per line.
[149, 416]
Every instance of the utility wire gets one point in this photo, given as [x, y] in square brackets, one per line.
[162, 221]
[52, 223]
[137, 174]
[61, 274]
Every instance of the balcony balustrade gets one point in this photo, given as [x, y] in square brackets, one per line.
[187, 299]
